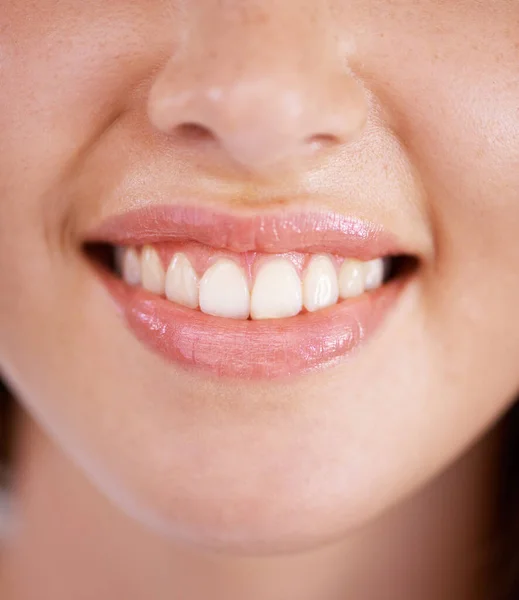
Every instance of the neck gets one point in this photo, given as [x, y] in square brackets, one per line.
[71, 542]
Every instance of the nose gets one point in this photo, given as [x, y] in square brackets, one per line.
[265, 79]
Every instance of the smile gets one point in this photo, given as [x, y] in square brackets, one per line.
[250, 297]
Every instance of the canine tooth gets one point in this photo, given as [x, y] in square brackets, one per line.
[277, 291]
[152, 271]
[224, 291]
[351, 279]
[129, 265]
[373, 273]
[182, 281]
[320, 285]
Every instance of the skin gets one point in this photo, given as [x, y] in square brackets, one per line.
[402, 112]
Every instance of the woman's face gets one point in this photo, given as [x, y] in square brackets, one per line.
[398, 115]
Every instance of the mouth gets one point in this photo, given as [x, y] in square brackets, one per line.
[254, 297]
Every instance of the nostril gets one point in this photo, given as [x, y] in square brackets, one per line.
[194, 131]
[322, 140]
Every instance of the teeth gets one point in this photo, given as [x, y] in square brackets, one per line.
[373, 273]
[129, 265]
[277, 291]
[320, 285]
[351, 279]
[224, 291]
[152, 271]
[182, 282]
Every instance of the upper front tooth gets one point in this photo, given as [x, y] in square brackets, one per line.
[373, 273]
[224, 291]
[182, 282]
[277, 291]
[351, 279]
[320, 286]
[153, 276]
[130, 265]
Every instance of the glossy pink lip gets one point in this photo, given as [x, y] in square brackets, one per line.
[276, 233]
[251, 349]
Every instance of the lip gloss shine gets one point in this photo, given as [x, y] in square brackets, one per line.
[246, 349]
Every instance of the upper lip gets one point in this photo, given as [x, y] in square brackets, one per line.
[270, 232]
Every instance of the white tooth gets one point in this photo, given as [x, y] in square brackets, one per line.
[320, 285]
[224, 291]
[182, 282]
[129, 265]
[373, 273]
[351, 279]
[277, 291]
[152, 271]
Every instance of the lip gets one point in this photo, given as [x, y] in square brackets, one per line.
[251, 349]
[317, 231]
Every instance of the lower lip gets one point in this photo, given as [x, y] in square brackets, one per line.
[267, 349]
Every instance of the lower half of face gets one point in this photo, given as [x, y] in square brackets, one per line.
[224, 382]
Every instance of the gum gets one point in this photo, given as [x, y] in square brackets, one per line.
[202, 257]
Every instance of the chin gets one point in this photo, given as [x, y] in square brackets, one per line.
[244, 501]
[266, 523]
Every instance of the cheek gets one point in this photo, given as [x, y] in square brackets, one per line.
[71, 68]
[460, 125]
[67, 70]
[470, 166]
[453, 92]
[468, 154]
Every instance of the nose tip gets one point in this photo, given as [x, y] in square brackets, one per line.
[266, 82]
[262, 121]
